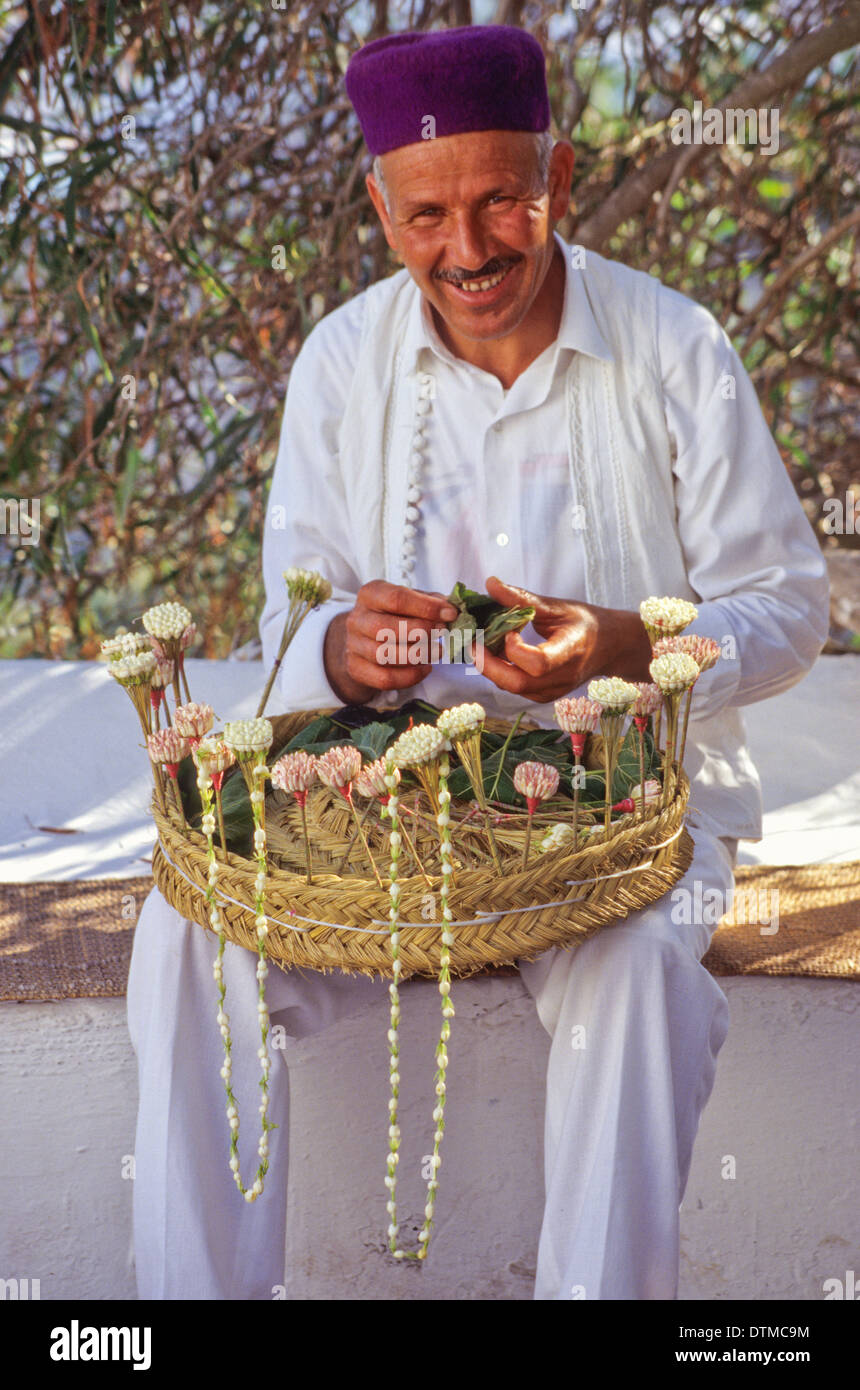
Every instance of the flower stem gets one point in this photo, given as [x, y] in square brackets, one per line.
[359, 827]
[307, 843]
[528, 841]
[221, 829]
[687, 705]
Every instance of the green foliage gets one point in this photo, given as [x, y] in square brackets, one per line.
[499, 758]
[182, 198]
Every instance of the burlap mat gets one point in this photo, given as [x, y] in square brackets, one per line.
[73, 940]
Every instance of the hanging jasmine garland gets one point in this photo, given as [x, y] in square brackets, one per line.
[424, 748]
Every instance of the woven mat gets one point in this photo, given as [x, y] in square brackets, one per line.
[73, 940]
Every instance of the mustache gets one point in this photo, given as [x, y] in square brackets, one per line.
[457, 275]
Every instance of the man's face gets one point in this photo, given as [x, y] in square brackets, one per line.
[473, 225]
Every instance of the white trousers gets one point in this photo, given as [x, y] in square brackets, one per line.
[636, 1024]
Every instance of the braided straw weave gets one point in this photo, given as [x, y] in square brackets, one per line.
[341, 923]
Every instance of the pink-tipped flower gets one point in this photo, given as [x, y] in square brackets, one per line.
[371, 780]
[577, 717]
[188, 635]
[162, 676]
[536, 782]
[704, 650]
[216, 756]
[647, 703]
[194, 721]
[296, 773]
[339, 768]
[168, 747]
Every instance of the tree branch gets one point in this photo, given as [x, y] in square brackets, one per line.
[634, 194]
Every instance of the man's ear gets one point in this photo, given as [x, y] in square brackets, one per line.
[560, 177]
[379, 203]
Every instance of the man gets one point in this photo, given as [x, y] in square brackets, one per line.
[504, 402]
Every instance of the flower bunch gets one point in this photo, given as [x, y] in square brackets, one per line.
[212, 758]
[167, 748]
[648, 702]
[463, 725]
[134, 672]
[306, 589]
[675, 673]
[372, 782]
[558, 836]
[124, 644]
[296, 772]
[171, 631]
[250, 740]
[339, 768]
[419, 749]
[536, 782]
[162, 676]
[194, 721]
[666, 617]
[615, 696]
[578, 717]
[704, 650]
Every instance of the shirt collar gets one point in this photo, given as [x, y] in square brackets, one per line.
[578, 329]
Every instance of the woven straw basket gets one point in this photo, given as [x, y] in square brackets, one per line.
[341, 922]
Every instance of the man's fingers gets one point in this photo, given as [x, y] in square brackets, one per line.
[507, 677]
[385, 677]
[386, 650]
[385, 597]
[391, 627]
[514, 597]
[511, 595]
[543, 657]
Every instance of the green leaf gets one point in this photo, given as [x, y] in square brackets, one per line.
[373, 739]
[319, 729]
[773, 188]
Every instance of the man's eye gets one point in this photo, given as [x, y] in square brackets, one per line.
[428, 212]
[500, 198]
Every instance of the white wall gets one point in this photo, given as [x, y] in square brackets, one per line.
[784, 1106]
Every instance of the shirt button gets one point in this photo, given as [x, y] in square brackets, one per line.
[502, 539]
[497, 426]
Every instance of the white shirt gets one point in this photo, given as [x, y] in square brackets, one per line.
[496, 498]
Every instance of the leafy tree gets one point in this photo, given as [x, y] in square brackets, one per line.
[182, 197]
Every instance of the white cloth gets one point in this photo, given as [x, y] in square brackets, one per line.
[621, 1112]
[721, 524]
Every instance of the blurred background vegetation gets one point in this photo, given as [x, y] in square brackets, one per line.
[182, 197]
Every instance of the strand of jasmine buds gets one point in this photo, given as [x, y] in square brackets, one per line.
[390, 809]
[444, 822]
[204, 783]
[253, 1192]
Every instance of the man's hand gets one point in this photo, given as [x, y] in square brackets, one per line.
[582, 641]
[379, 643]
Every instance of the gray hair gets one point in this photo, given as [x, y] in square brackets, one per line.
[544, 143]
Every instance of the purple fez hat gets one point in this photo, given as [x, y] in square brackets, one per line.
[480, 77]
